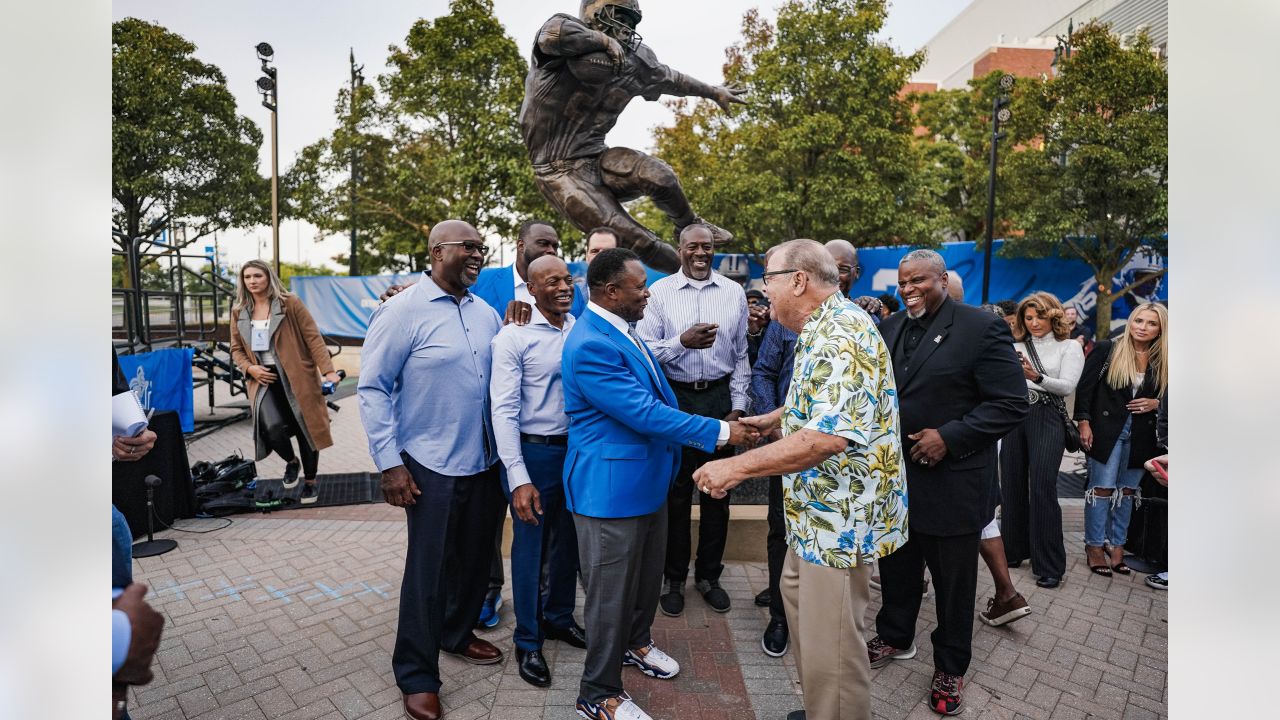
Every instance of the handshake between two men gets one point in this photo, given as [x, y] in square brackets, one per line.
[800, 450]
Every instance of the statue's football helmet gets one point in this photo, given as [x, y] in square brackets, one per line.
[616, 18]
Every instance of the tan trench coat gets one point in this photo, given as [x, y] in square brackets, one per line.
[302, 358]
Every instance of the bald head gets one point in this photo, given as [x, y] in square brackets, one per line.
[955, 286]
[451, 230]
[551, 285]
[846, 257]
[546, 265]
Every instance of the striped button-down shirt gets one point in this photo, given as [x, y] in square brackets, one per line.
[676, 302]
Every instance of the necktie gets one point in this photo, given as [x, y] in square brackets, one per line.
[631, 330]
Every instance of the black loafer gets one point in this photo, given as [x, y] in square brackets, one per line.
[574, 635]
[533, 668]
[764, 598]
[776, 638]
[1048, 582]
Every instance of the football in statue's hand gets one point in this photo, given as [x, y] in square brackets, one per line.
[593, 68]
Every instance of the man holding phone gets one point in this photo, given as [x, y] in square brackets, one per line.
[696, 325]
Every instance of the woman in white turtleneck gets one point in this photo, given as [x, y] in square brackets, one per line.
[1030, 455]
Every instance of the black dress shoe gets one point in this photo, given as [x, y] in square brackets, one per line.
[776, 638]
[1048, 582]
[574, 634]
[764, 598]
[533, 668]
[796, 715]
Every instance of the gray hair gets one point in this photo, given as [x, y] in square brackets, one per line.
[692, 227]
[931, 257]
[810, 257]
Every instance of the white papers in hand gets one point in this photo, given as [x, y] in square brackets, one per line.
[127, 417]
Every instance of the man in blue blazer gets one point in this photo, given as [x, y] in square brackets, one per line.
[625, 434]
[502, 286]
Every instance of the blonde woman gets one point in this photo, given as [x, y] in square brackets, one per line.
[277, 345]
[1121, 389]
[1031, 519]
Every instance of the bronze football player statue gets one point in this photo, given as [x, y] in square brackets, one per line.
[583, 73]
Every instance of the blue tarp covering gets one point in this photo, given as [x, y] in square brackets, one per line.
[162, 381]
[342, 306]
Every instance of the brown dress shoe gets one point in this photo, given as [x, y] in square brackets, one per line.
[422, 706]
[480, 652]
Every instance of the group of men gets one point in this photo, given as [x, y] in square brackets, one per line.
[595, 413]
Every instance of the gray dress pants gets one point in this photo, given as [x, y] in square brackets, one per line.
[621, 561]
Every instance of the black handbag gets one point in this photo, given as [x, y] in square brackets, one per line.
[1070, 433]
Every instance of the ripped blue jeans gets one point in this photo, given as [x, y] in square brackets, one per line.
[1106, 519]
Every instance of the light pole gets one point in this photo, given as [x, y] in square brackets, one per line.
[268, 86]
[357, 81]
[999, 114]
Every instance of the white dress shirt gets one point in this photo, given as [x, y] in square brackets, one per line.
[625, 328]
[675, 303]
[522, 288]
[526, 388]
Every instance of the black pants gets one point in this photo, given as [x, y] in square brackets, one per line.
[1030, 516]
[953, 561]
[776, 547]
[445, 571]
[278, 425]
[714, 402]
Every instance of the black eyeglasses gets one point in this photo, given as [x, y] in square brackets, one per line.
[469, 247]
[764, 278]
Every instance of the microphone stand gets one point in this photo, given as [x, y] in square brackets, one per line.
[152, 547]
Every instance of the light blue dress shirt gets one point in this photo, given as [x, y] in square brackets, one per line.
[424, 381]
[526, 387]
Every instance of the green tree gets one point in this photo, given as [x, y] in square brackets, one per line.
[178, 148]
[438, 140]
[824, 148]
[1099, 190]
[957, 148]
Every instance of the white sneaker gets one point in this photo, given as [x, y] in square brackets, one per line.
[615, 708]
[652, 662]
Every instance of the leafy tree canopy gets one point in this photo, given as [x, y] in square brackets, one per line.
[439, 139]
[824, 148]
[179, 150]
[1099, 188]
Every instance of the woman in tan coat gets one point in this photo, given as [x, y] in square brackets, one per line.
[276, 344]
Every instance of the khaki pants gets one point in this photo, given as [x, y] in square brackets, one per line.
[825, 610]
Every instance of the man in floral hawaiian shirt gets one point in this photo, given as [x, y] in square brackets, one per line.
[845, 493]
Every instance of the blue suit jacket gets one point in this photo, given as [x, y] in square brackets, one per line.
[625, 430]
[497, 286]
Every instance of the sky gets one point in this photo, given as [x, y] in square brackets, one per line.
[311, 42]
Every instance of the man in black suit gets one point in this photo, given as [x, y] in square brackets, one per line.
[960, 389]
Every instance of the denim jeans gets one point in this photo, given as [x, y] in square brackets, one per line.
[121, 550]
[1115, 511]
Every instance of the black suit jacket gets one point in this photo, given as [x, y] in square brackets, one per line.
[1106, 409]
[965, 381]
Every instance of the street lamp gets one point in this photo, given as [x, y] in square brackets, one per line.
[357, 81]
[1000, 113]
[269, 87]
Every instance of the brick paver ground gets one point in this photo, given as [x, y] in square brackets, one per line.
[292, 615]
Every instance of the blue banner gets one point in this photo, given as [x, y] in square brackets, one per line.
[342, 306]
[162, 381]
